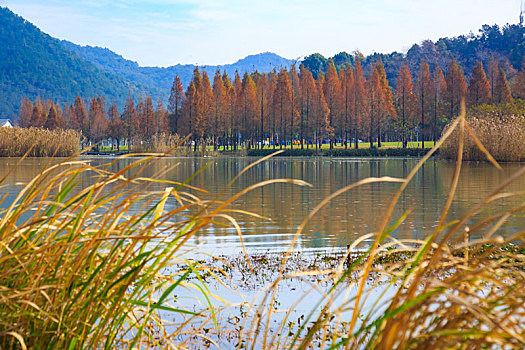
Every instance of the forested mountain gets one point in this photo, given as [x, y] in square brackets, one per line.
[33, 64]
[162, 77]
[506, 45]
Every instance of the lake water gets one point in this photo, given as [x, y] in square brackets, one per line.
[345, 218]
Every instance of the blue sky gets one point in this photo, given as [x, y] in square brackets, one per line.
[167, 32]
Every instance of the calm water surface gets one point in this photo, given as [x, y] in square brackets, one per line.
[345, 218]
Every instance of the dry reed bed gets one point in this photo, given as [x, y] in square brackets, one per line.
[501, 129]
[16, 142]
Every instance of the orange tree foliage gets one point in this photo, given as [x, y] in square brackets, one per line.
[456, 88]
[424, 95]
[501, 91]
[405, 103]
[479, 87]
[289, 107]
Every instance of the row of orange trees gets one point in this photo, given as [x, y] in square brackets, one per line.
[290, 106]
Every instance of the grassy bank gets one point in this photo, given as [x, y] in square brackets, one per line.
[16, 142]
[101, 265]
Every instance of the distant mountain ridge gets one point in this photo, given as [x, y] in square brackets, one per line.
[162, 77]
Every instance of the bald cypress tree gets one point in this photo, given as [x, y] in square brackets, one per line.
[439, 87]
[501, 88]
[456, 88]
[518, 89]
[424, 94]
[219, 105]
[359, 97]
[308, 92]
[51, 122]
[175, 104]
[36, 116]
[479, 87]
[347, 85]
[332, 93]
[405, 102]
[24, 114]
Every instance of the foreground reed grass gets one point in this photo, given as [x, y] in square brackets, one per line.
[16, 142]
[85, 255]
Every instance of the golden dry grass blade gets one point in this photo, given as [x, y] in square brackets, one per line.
[481, 147]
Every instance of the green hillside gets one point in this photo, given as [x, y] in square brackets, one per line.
[505, 44]
[33, 64]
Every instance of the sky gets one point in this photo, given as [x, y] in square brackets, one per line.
[206, 32]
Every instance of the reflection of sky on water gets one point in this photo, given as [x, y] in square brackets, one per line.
[348, 216]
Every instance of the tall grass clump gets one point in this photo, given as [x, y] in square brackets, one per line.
[447, 291]
[16, 142]
[91, 258]
[500, 128]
